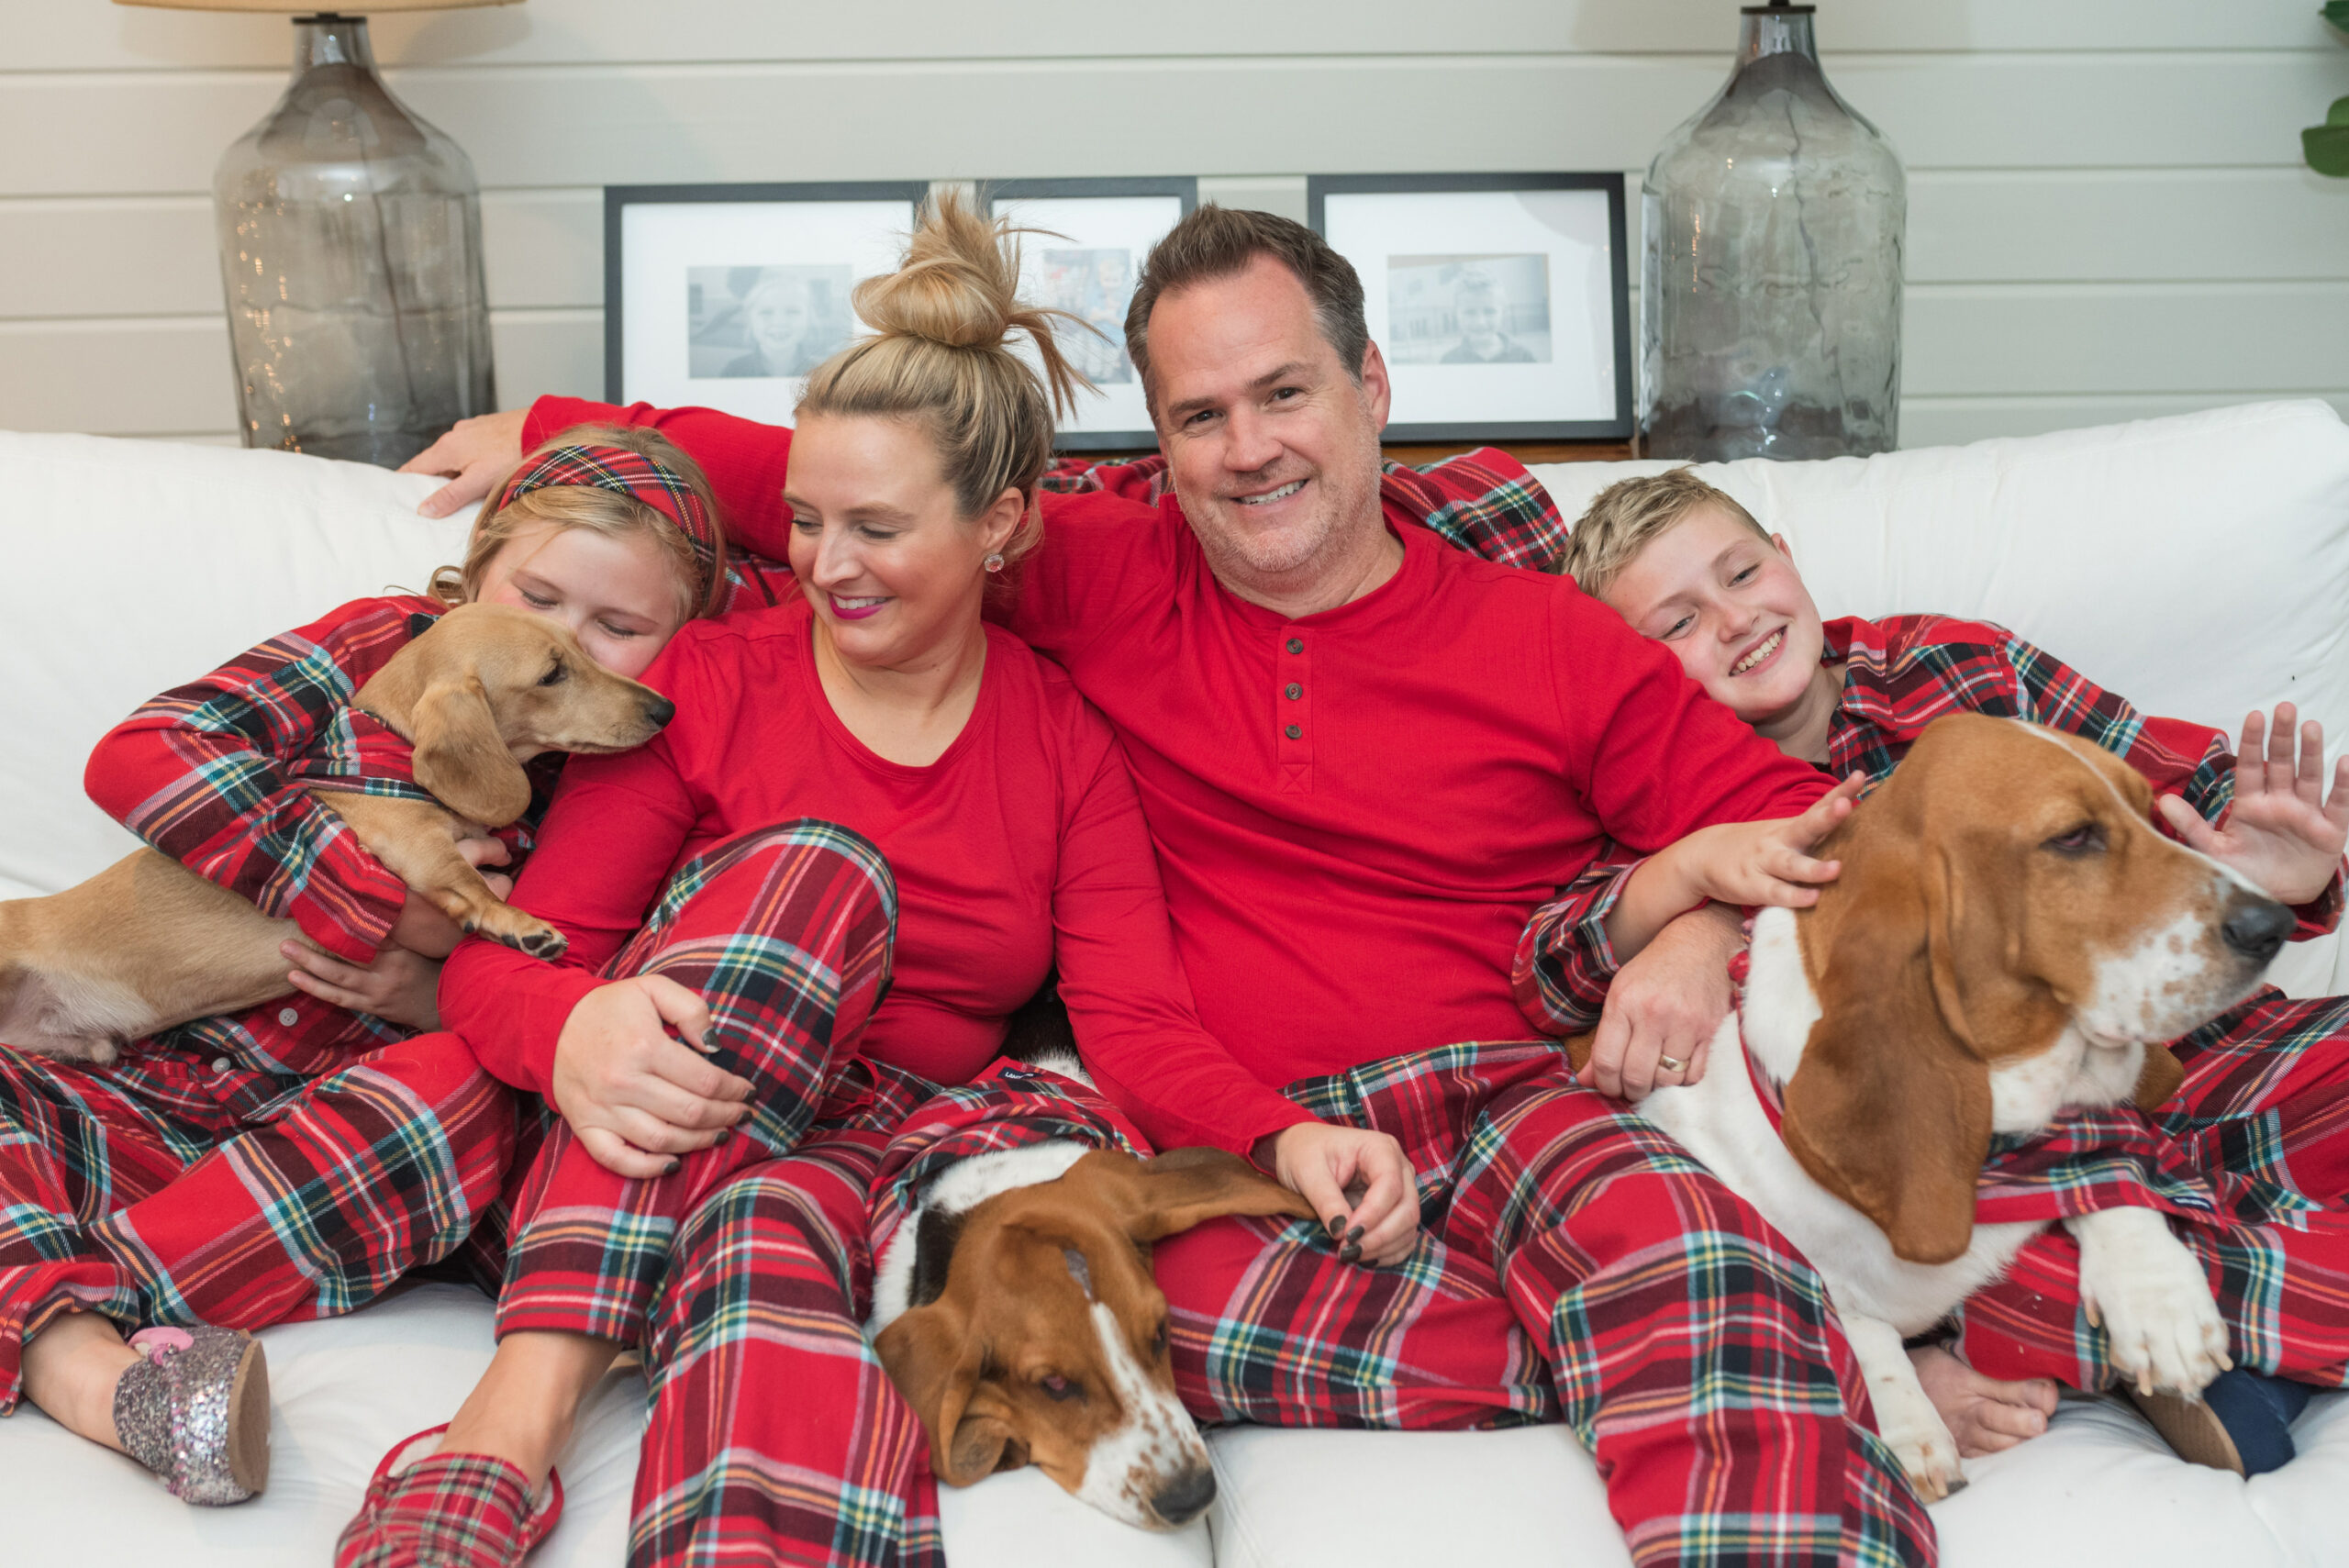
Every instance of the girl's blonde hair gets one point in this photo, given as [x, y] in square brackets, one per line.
[941, 354]
[610, 513]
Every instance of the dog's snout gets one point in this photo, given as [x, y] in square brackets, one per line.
[659, 710]
[1186, 1497]
[2256, 928]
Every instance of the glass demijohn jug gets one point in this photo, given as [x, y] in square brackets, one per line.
[1770, 300]
[350, 245]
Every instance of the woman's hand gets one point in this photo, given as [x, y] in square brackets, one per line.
[2283, 832]
[396, 985]
[475, 453]
[1323, 1163]
[636, 1098]
[1743, 863]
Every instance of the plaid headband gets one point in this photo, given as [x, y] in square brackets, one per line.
[656, 484]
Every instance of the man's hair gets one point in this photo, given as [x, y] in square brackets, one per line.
[1626, 514]
[1219, 242]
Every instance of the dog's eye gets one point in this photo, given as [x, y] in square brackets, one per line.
[554, 676]
[2085, 839]
[1059, 1387]
[1158, 1339]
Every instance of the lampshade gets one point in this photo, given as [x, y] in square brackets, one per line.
[375, 6]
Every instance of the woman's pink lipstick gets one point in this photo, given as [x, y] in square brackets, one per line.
[846, 613]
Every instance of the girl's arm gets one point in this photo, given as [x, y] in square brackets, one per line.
[201, 772]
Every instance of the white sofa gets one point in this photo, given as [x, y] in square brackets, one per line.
[2200, 565]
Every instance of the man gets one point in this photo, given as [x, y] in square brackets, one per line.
[1364, 759]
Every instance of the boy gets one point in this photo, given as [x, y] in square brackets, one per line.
[2267, 1084]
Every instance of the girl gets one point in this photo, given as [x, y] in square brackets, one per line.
[134, 1193]
[729, 879]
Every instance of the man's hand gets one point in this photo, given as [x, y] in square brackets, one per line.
[473, 455]
[398, 985]
[636, 1098]
[1361, 1183]
[422, 929]
[2282, 833]
[1667, 1002]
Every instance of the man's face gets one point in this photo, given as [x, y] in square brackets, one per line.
[1731, 607]
[1272, 447]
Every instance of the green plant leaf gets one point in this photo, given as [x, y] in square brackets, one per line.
[2337, 13]
[2338, 114]
[2327, 145]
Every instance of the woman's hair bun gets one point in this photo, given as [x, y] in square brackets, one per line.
[959, 286]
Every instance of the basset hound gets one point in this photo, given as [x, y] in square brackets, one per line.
[147, 943]
[1015, 1310]
[2009, 937]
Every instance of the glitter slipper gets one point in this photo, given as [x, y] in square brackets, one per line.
[194, 1410]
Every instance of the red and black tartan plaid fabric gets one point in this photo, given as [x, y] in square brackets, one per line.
[1483, 501]
[1573, 1265]
[775, 1436]
[785, 934]
[655, 484]
[135, 1191]
[1900, 673]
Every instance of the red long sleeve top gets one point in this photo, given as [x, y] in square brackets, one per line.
[1355, 811]
[1020, 846]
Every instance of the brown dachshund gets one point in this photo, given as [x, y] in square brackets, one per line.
[147, 943]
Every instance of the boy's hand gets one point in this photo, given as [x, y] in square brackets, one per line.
[2283, 833]
[1743, 863]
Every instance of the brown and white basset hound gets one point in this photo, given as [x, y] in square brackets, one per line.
[147, 943]
[1015, 1310]
[2009, 937]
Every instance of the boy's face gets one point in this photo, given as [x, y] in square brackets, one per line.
[1731, 607]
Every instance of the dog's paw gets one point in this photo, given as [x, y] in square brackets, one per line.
[544, 944]
[2140, 1283]
[1906, 1420]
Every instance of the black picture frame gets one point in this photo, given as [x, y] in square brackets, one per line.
[1123, 434]
[618, 199]
[1318, 188]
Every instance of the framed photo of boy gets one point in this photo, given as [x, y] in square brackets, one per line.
[1500, 301]
[1096, 234]
[726, 297]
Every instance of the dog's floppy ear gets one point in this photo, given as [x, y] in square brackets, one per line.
[1890, 1109]
[460, 757]
[1164, 1197]
[2158, 1079]
[928, 1354]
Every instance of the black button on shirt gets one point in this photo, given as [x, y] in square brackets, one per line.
[1295, 691]
[1292, 731]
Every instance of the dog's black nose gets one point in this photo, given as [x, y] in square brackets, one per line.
[2257, 929]
[660, 710]
[1186, 1497]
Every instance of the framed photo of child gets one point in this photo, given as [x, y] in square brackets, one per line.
[1086, 261]
[1500, 301]
[726, 297]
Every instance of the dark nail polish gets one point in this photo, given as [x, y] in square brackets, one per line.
[1353, 1236]
[1348, 1253]
[671, 1168]
[723, 1134]
[1337, 1225]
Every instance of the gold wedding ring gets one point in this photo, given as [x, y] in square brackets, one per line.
[1670, 1063]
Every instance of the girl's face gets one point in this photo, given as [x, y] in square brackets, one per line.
[778, 319]
[619, 597]
[893, 570]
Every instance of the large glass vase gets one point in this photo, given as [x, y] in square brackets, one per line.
[350, 247]
[1770, 299]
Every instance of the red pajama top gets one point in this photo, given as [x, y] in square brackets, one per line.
[1354, 811]
[1022, 845]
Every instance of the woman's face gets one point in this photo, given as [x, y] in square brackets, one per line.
[618, 595]
[778, 320]
[894, 571]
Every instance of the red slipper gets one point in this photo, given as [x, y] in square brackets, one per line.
[429, 1509]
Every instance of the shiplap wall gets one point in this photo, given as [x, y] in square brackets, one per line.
[2107, 213]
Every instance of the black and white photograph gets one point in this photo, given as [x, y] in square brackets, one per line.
[1500, 301]
[765, 321]
[727, 297]
[1085, 258]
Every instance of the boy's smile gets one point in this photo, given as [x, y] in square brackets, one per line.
[1734, 612]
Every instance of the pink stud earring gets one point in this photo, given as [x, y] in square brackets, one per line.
[994, 563]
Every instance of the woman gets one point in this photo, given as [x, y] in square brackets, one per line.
[877, 716]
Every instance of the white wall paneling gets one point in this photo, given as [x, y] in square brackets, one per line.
[2106, 212]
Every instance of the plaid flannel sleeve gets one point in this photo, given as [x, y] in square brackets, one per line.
[1564, 962]
[2189, 760]
[200, 773]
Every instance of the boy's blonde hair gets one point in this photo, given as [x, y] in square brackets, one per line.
[941, 354]
[1626, 514]
[610, 513]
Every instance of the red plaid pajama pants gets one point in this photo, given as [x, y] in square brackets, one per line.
[2266, 1097]
[1575, 1265]
[785, 934]
[170, 1189]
